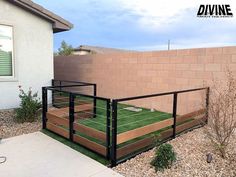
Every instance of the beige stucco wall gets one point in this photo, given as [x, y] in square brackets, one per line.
[33, 53]
[138, 73]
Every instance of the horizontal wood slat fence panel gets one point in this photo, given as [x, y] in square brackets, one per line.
[90, 144]
[190, 115]
[57, 120]
[61, 99]
[126, 136]
[65, 100]
[58, 112]
[142, 143]
[131, 148]
[64, 112]
[58, 130]
[134, 147]
[90, 132]
[78, 108]
[190, 124]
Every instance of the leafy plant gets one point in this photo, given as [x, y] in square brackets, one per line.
[29, 106]
[165, 156]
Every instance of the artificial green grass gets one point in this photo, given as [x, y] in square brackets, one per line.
[126, 120]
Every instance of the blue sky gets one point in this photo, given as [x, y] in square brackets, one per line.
[142, 24]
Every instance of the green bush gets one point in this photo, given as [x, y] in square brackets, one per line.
[165, 156]
[29, 106]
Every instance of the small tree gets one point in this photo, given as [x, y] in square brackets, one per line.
[65, 49]
[222, 113]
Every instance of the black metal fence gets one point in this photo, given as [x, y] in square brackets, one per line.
[62, 84]
[113, 146]
[52, 118]
[167, 135]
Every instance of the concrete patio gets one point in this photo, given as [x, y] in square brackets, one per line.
[37, 155]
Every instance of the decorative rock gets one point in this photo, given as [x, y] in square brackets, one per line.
[209, 158]
[9, 128]
[191, 149]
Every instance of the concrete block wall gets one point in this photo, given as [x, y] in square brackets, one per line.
[138, 73]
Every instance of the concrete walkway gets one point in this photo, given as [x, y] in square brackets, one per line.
[37, 155]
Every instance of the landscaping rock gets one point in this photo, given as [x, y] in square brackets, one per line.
[209, 158]
[191, 149]
[9, 128]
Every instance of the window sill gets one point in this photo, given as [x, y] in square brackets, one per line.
[8, 79]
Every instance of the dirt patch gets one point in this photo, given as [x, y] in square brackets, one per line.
[9, 128]
[191, 149]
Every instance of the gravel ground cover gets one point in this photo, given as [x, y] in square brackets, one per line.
[9, 128]
[191, 149]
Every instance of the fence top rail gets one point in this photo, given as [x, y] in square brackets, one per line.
[158, 94]
[78, 94]
[64, 86]
[69, 81]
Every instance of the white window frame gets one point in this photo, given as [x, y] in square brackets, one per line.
[13, 77]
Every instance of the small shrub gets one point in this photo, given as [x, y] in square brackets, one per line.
[29, 106]
[165, 156]
[222, 113]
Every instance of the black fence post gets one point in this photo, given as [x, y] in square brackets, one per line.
[71, 115]
[44, 106]
[94, 101]
[108, 128]
[207, 103]
[53, 92]
[60, 87]
[174, 114]
[114, 133]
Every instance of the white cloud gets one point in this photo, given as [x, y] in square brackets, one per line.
[162, 14]
[178, 21]
[144, 24]
[156, 13]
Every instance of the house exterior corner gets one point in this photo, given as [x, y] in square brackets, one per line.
[32, 53]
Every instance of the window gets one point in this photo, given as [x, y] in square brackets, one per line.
[6, 51]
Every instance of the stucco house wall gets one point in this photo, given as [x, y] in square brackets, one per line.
[32, 50]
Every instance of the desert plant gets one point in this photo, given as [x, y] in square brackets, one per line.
[29, 106]
[222, 112]
[165, 156]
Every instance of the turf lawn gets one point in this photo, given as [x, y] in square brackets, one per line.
[127, 120]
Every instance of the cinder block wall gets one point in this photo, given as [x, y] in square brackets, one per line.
[139, 73]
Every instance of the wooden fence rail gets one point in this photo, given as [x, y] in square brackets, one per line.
[192, 119]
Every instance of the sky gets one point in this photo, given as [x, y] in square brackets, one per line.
[142, 24]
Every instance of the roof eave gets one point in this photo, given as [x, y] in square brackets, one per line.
[59, 27]
[58, 24]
